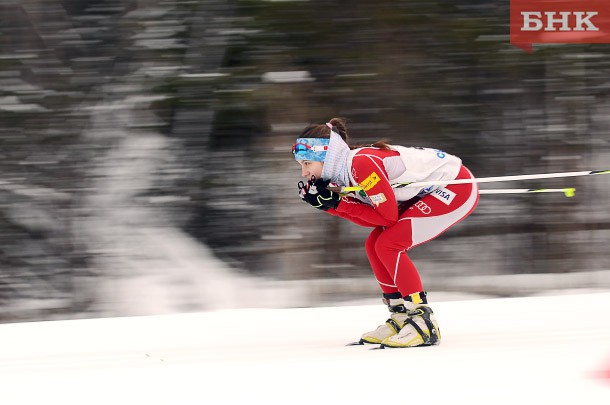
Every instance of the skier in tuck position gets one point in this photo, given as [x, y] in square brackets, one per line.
[401, 218]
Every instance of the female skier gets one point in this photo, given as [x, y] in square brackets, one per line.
[401, 218]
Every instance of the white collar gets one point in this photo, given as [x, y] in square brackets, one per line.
[335, 165]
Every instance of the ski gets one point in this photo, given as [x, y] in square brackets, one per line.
[361, 342]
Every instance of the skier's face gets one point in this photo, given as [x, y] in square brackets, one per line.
[310, 168]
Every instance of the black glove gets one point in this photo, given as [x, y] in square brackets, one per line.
[317, 195]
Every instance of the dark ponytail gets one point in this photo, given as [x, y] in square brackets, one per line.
[340, 127]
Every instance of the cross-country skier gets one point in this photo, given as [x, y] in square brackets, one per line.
[401, 218]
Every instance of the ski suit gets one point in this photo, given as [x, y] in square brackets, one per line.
[403, 218]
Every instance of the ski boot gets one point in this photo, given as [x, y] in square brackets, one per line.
[392, 326]
[418, 329]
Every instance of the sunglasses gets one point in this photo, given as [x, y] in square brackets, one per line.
[301, 147]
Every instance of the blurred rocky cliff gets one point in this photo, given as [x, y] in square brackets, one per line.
[145, 144]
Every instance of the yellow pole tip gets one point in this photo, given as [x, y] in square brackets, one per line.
[569, 192]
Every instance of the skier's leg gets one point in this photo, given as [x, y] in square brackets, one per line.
[380, 271]
[422, 222]
[416, 326]
[391, 295]
[387, 251]
[391, 248]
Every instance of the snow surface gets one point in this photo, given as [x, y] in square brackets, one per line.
[536, 350]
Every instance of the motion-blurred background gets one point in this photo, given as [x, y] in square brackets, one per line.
[145, 161]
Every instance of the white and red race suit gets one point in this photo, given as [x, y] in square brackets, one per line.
[430, 211]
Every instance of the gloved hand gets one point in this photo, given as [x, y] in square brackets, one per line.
[317, 195]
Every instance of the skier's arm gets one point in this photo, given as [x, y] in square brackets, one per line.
[369, 173]
[345, 215]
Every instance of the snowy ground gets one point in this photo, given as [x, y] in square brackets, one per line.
[537, 350]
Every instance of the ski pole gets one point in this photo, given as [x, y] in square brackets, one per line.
[568, 192]
[420, 184]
